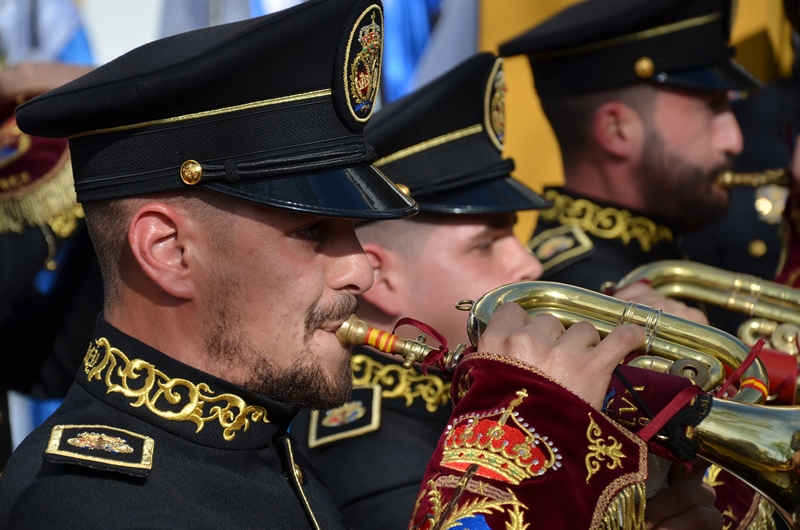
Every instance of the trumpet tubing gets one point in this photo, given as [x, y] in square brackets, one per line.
[741, 293]
[760, 445]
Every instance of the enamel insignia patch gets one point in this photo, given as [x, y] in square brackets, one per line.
[560, 247]
[496, 106]
[363, 59]
[360, 415]
[101, 447]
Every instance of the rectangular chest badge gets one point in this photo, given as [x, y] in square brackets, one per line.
[101, 447]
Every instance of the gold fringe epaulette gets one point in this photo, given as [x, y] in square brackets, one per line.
[763, 518]
[626, 511]
[48, 202]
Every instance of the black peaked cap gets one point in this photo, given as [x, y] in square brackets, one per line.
[445, 142]
[601, 44]
[270, 110]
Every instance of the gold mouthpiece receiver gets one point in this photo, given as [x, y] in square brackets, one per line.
[729, 179]
[355, 332]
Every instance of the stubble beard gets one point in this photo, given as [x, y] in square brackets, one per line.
[304, 384]
[677, 190]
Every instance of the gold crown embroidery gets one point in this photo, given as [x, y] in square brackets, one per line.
[605, 222]
[150, 385]
[502, 445]
[397, 382]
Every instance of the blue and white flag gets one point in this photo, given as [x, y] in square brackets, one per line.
[43, 30]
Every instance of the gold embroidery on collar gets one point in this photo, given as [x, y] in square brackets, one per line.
[231, 413]
[397, 382]
[599, 449]
[605, 222]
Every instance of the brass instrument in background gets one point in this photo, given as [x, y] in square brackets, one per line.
[776, 307]
[778, 177]
[761, 445]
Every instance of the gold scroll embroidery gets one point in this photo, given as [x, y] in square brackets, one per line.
[600, 449]
[151, 384]
[397, 382]
[605, 222]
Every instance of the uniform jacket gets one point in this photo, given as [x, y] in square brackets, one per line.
[373, 463]
[144, 441]
[586, 243]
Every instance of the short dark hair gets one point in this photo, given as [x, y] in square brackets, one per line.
[107, 223]
[571, 116]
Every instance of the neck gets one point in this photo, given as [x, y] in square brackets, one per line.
[614, 182]
[170, 328]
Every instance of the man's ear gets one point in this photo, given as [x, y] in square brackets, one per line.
[618, 130]
[158, 238]
[386, 290]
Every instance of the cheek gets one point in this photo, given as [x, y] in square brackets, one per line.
[277, 299]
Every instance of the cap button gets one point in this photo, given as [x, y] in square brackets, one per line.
[644, 67]
[404, 189]
[191, 172]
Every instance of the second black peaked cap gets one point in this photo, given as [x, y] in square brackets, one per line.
[601, 44]
[270, 110]
[445, 142]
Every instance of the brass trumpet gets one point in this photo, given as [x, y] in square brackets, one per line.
[760, 445]
[778, 177]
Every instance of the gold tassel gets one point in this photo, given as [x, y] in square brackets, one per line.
[50, 202]
[763, 520]
[626, 511]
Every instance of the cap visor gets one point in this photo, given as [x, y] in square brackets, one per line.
[498, 195]
[727, 75]
[357, 192]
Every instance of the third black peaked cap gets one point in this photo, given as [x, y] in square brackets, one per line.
[445, 141]
[269, 110]
[602, 44]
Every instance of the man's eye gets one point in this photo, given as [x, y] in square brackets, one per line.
[313, 232]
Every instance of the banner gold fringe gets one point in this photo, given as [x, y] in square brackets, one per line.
[51, 202]
[763, 520]
[626, 511]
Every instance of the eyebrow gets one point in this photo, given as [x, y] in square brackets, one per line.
[495, 222]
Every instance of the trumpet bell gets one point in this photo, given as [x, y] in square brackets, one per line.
[760, 445]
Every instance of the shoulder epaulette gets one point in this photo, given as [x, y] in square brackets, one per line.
[360, 415]
[101, 447]
[560, 247]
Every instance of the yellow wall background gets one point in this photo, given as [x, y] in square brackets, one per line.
[761, 33]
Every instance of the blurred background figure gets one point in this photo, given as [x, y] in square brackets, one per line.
[49, 293]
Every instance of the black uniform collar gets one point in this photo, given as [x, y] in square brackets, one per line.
[141, 381]
[608, 220]
[408, 391]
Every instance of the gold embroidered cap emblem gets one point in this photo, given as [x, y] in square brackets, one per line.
[363, 70]
[100, 442]
[501, 444]
[496, 105]
[347, 413]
